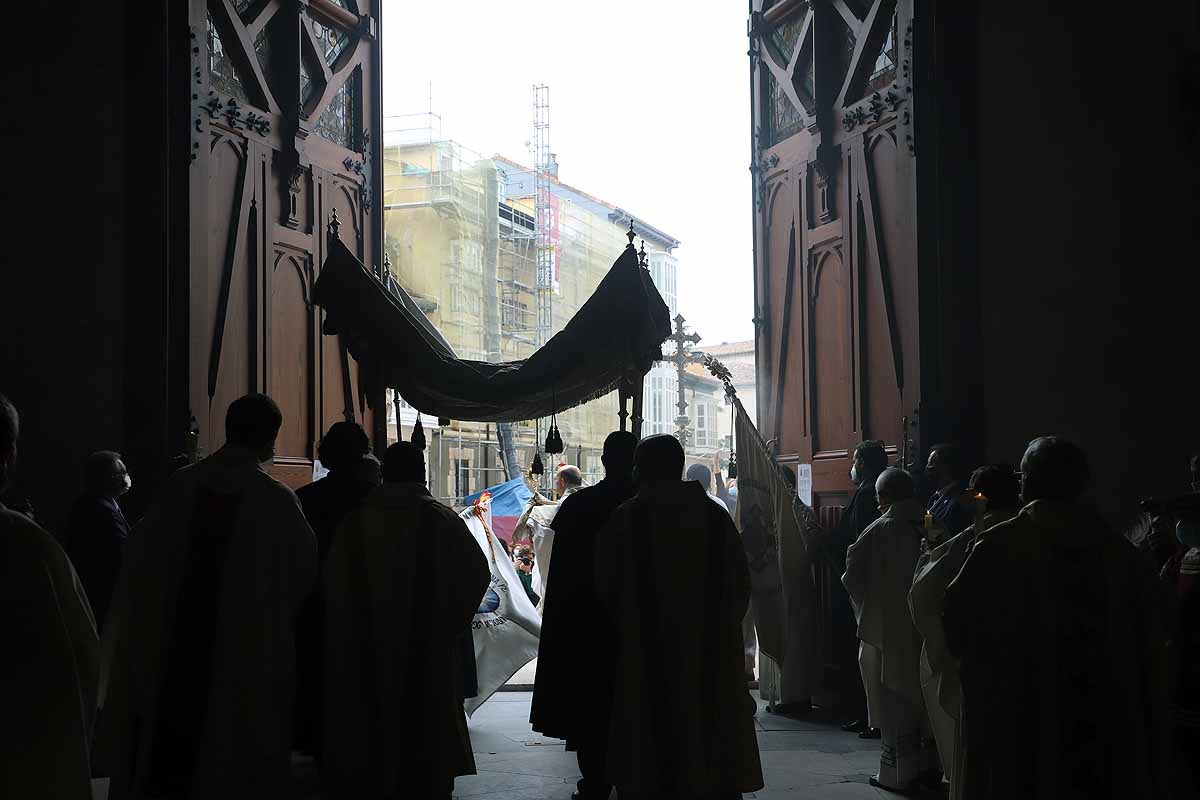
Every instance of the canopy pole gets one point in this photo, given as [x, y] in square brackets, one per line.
[638, 392]
[623, 395]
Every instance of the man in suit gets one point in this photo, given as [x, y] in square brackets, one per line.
[97, 529]
[870, 460]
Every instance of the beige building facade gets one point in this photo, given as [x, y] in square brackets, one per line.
[460, 237]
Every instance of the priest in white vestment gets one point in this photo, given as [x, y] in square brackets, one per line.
[394, 720]
[879, 570]
[671, 574]
[199, 648]
[51, 661]
[1060, 633]
[1000, 492]
[536, 524]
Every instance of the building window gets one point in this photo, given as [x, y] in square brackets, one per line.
[222, 75]
[782, 117]
[884, 71]
[785, 37]
[701, 425]
[331, 40]
[339, 122]
[462, 477]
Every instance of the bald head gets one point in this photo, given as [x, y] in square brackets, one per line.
[568, 476]
[893, 485]
[1053, 469]
[658, 458]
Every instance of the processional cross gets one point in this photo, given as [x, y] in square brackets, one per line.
[683, 356]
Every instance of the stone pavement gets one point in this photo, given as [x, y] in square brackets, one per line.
[801, 759]
[811, 759]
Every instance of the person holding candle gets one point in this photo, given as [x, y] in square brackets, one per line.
[950, 506]
[995, 493]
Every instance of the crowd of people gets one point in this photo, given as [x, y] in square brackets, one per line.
[1009, 642]
[238, 623]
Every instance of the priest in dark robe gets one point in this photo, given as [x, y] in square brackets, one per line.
[50, 665]
[199, 651]
[572, 692]
[671, 575]
[326, 502]
[97, 529]
[394, 721]
[1061, 640]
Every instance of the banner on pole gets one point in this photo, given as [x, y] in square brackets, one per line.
[779, 532]
[506, 626]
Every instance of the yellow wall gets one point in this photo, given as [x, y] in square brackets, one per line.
[438, 246]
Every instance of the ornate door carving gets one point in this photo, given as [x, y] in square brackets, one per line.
[284, 106]
[831, 104]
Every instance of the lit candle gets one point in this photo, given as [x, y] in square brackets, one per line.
[980, 511]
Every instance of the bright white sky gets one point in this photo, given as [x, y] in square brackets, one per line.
[649, 110]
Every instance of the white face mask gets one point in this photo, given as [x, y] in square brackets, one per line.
[1188, 533]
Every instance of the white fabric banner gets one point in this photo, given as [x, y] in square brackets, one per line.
[506, 626]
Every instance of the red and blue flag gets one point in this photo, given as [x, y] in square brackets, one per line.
[508, 502]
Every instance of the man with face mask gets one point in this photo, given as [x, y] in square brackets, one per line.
[199, 644]
[97, 529]
[868, 462]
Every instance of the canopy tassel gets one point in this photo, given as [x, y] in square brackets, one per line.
[418, 434]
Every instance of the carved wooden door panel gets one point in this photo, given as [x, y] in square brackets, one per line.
[839, 364]
[284, 103]
[831, 102]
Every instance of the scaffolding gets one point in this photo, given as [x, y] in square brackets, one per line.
[543, 213]
[500, 256]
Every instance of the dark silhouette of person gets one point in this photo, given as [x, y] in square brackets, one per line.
[97, 529]
[326, 502]
[51, 663]
[200, 643]
[572, 692]
[1060, 634]
[394, 720]
[947, 473]
[869, 460]
[671, 574]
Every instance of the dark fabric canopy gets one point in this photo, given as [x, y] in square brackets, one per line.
[618, 332]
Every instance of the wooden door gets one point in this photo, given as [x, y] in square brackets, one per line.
[837, 323]
[285, 121]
